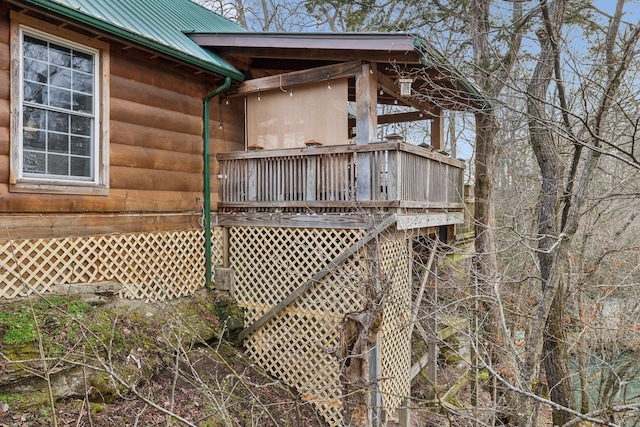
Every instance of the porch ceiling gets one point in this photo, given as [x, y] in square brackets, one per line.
[437, 84]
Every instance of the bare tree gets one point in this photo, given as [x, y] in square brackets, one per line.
[563, 195]
[264, 15]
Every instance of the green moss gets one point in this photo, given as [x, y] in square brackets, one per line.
[20, 327]
[101, 383]
[78, 308]
[118, 330]
[231, 315]
[19, 401]
[11, 398]
[96, 407]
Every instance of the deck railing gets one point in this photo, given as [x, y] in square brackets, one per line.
[339, 178]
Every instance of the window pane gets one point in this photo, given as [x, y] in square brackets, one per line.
[82, 62]
[81, 166]
[34, 162]
[80, 146]
[34, 118]
[36, 71]
[34, 140]
[82, 82]
[60, 55]
[58, 143]
[60, 77]
[58, 122]
[36, 93]
[81, 125]
[60, 98]
[58, 136]
[82, 103]
[34, 48]
[58, 165]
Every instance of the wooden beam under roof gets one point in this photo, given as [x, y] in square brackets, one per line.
[411, 116]
[400, 42]
[296, 78]
[330, 47]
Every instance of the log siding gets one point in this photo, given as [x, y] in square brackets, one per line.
[155, 146]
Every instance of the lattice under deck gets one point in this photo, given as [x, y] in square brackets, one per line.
[395, 349]
[153, 266]
[298, 346]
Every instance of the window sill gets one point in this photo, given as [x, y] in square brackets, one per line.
[42, 188]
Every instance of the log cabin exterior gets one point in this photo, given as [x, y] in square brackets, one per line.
[175, 148]
[142, 176]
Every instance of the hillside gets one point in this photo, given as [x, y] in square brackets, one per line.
[131, 363]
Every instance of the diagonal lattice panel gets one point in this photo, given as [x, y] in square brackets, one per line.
[149, 265]
[299, 344]
[395, 349]
[283, 258]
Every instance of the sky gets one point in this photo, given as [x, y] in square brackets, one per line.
[632, 6]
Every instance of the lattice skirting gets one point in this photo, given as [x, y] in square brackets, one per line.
[152, 266]
[395, 351]
[299, 345]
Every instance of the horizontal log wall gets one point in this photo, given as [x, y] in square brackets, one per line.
[156, 151]
[5, 93]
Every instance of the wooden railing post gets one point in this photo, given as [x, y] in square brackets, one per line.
[394, 175]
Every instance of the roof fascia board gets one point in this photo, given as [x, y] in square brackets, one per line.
[131, 37]
[398, 42]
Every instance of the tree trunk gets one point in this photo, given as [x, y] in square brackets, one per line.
[555, 360]
[358, 342]
[485, 259]
[551, 247]
[484, 216]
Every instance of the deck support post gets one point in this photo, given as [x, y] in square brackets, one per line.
[225, 247]
[366, 126]
[377, 411]
[437, 130]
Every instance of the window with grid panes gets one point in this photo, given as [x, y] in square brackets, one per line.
[58, 109]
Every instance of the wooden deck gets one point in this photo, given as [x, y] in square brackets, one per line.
[346, 180]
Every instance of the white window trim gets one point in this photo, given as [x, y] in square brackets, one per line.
[99, 185]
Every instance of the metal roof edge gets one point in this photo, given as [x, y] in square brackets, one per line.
[135, 38]
[303, 38]
[434, 59]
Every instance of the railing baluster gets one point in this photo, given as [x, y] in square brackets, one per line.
[325, 178]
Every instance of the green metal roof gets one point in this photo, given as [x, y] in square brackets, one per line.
[160, 25]
[433, 58]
